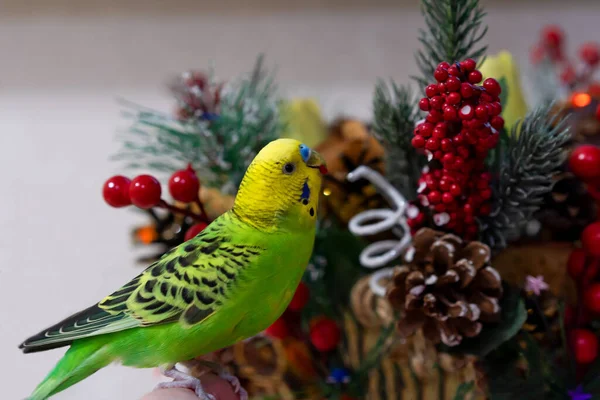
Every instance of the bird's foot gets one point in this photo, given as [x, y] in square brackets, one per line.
[235, 384]
[183, 380]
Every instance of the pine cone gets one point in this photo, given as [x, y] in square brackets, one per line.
[446, 287]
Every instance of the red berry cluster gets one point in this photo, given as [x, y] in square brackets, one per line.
[144, 191]
[552, 47]
[461, 127]
[584, 267]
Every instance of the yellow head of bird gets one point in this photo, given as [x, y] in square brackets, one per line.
[281, 186]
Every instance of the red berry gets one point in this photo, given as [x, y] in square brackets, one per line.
[459, 163]
[584, 345]
[440, 207]
[436, 102]
[455, 190]
[472, 229]
[492, 87]
[444, 65]
[592, 298]
[184, 185]
[425, 129]
[468, 65]
[424, 104]
[486, 194]
[440, 74]
[434, 197]
[453, 70]
[325, 334]
[418, 142]
[468, 209]
[481, 112]
[300, 298]
[278, 329]
[466, 112]
[453, 84]
[116, 191]
[431, 182]
[434, 116]
[194, 230]
[432, 144]
[584, 161]
[552, 36]
[440, 130]
[447, 198]
[576, 263]
[441, 87]
[568, 75]
[497, 122]
[145, 191]
[431, 90]
[495, 108]
[459, 139]
[453, 98]
[485, 209]
[466, 90]
[449, 113]
[446, 144]
[444, 184]
[590, 239]
[448, 159]
[475, 77]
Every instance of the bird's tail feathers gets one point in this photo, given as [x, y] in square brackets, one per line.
[79, 362]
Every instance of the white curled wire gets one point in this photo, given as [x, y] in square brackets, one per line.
[380, 253]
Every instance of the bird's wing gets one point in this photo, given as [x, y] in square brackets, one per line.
[188, 284]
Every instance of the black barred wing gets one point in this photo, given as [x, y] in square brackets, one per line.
[188, 284]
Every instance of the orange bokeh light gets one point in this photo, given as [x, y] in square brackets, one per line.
[147, 234]
[581, 99]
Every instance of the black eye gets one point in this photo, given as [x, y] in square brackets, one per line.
[289, 168]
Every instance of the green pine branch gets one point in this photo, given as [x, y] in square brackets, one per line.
[220, 148]
[394, 119]
[454, 31]
[534, 152]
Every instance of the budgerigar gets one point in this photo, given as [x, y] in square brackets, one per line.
[228, 283]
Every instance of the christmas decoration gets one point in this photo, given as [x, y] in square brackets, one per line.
[455, 187]
[535, 284]
[219, 128]
[145, 191]
[584, 345]
[194, 230]
[447, 288]
[503, 67]
[324, 334]
[184, 185]
[590, 238]
[584, 161]
[348, 146]
[116, 191]
[300, 297]
[400, 298]
[278, 329]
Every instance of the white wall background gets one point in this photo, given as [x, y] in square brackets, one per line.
[62, 63]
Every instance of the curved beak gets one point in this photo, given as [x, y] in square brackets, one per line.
[317, 161]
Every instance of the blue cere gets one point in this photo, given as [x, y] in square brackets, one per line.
[304, 152]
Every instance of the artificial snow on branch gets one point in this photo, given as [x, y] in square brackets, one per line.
[394, 119]
[534, 152]
[218, 128]
[454, 31]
